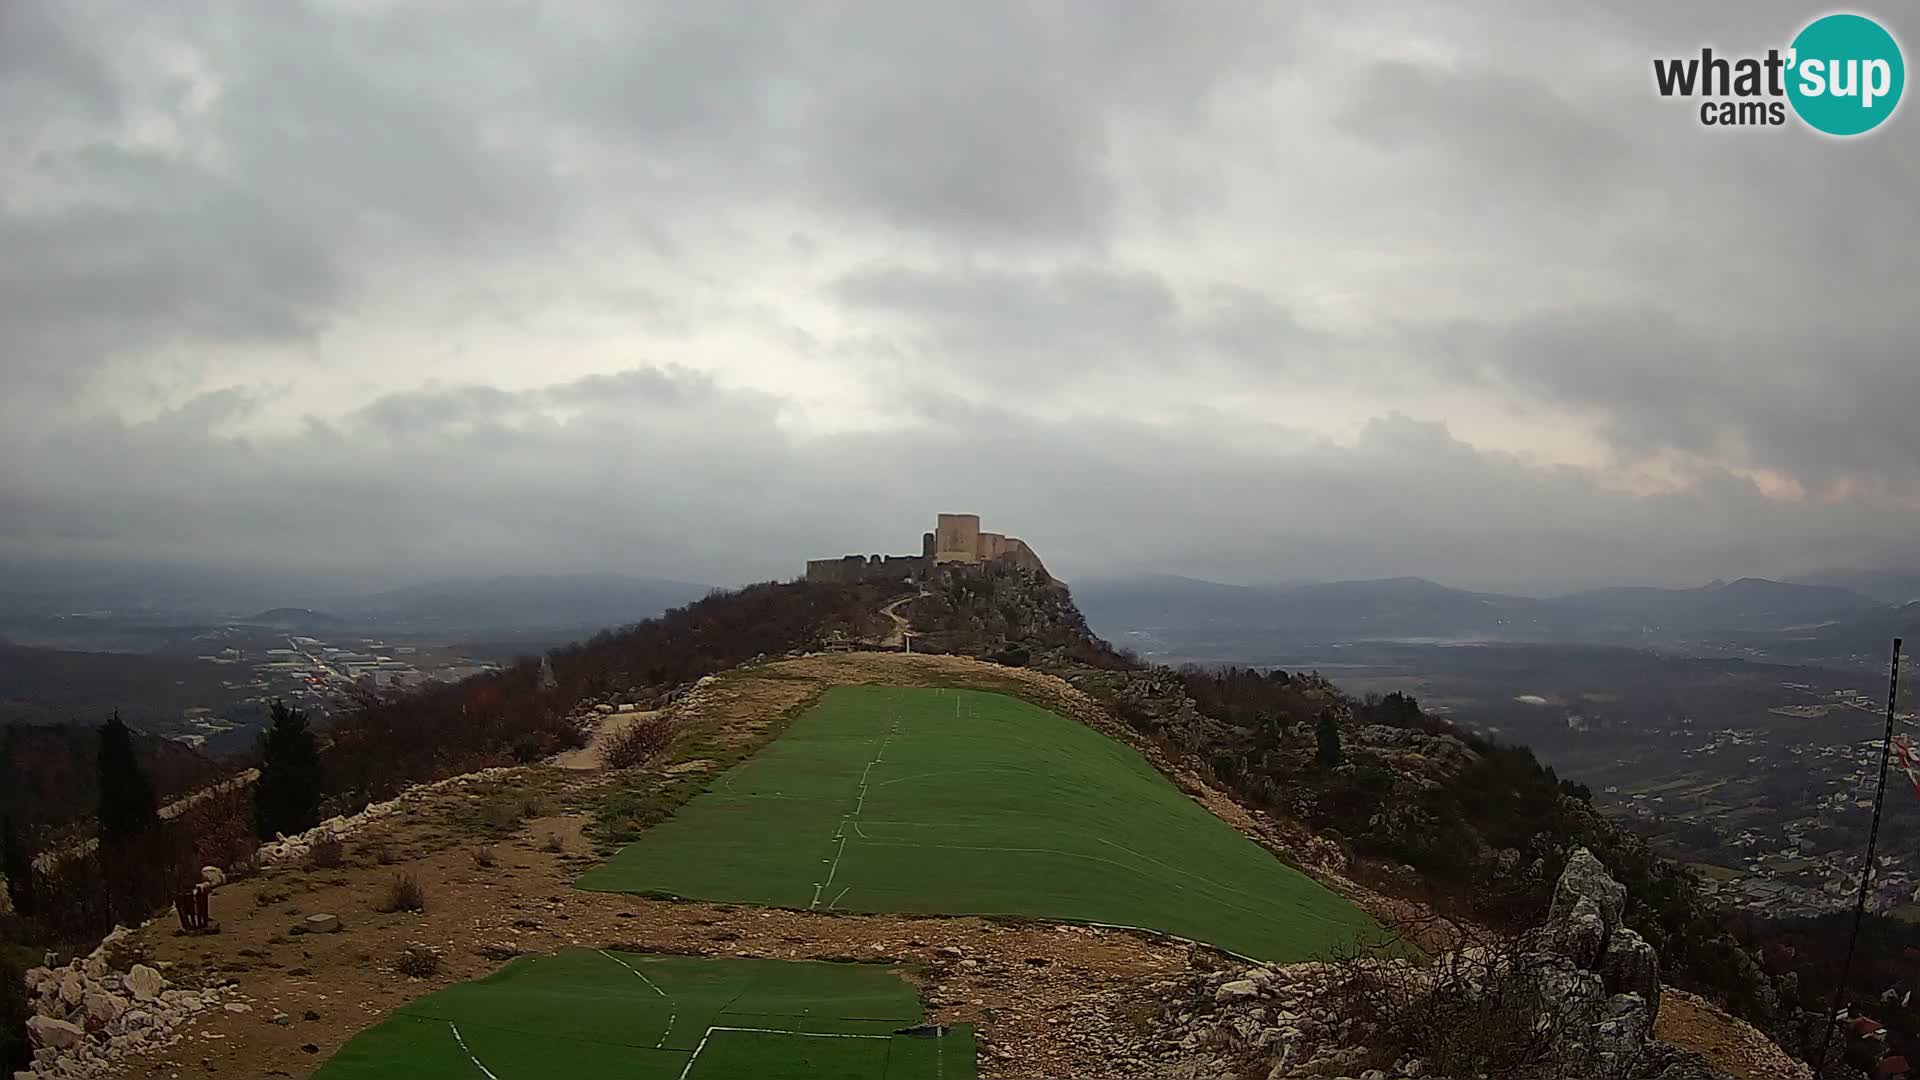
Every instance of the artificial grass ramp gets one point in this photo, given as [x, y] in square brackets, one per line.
[888, 799]
[592, 1014]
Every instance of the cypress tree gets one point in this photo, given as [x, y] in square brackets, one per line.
[287, 797]
[1327, 734]
[128, 805]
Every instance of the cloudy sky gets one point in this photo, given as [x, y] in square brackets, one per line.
[402, 290]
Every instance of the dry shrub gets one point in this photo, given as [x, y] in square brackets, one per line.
[378, 851]
[554, 843]
[419, 962]
[404, 894]
[483, 858]
[1477, 1011]
[327, 853]
[638, 744]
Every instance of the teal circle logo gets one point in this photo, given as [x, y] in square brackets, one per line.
[1846, 74]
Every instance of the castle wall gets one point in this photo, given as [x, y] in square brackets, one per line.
[956, 538]
[855, 569]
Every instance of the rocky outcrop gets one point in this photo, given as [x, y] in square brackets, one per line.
[1582, 992]
[89, 1015]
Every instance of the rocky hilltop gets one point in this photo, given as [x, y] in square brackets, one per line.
[1538, 941]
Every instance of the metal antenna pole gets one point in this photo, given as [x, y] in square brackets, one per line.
[1866, 872]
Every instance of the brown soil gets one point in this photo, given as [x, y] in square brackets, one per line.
[1729, 1044]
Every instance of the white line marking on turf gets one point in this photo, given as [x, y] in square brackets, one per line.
[840, 833]
[484, 1071]
[673, 1010]
[837, 899]
[767, 1031]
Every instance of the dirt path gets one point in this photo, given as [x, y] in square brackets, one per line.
[590, 756]
[898, 635]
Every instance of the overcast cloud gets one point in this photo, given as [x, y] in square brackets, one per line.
[394, 291]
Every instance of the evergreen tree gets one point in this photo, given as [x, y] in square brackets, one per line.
[286, 799]
[1327, 733]
[128, 806]
[17, 863]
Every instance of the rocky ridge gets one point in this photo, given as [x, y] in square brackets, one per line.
[1587, 988]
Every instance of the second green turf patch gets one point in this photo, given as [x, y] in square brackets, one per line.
[889, 799]
[592, 1013]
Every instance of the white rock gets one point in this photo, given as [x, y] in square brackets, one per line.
[213, 876]
[1237, 990]
[144, 983]
[103, 1006]
[57, 1034]
[238, 1007]
[73, 988]
[322, 924]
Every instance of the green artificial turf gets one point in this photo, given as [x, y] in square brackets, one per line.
[942, 801]
[591, 1014]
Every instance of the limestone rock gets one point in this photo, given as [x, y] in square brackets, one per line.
[213, 876]
[1631, 966]
[321, 924]
[73, 987]
[104, 1007]
[1237, 990]
[56, 1034]
[144, 983]
[1586, 877]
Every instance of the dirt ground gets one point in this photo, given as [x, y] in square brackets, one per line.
[1728, 1044]
[498, 882]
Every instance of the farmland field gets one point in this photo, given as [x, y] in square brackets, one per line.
[591, 1013]
[943, 801]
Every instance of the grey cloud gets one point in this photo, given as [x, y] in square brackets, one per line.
[715, 490]
[974, 219]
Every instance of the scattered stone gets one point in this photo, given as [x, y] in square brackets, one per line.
[238, 1007]
[144, 983]
[104, 1007]
[54, 1034]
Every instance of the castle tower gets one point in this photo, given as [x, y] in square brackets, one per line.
[956, 538]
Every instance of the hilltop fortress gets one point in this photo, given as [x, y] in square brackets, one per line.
[956, 538]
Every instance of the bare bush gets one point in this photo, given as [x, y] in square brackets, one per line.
[378, 851]
[327, 853]
[554, 843]
[483, 858]
[638, 744]
[1488, 1009]
[404, 893]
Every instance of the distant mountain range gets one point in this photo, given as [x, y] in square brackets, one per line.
[1185, 616]
[532, 602]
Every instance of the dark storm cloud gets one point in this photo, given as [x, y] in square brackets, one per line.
[1127, 278]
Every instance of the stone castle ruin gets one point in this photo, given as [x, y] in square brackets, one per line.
[956, 538]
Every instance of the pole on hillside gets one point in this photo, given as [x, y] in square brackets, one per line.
[1866, 872]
